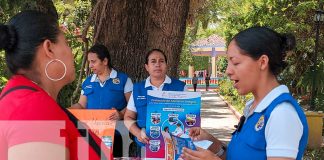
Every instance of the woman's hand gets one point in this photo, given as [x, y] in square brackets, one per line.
[200, 154]
[116, 115]
[141, 136]
[197, 134]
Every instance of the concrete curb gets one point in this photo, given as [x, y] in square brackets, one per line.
[235, 112]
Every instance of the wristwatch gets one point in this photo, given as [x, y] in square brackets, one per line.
[221, 151]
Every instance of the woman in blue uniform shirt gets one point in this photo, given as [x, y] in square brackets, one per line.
[274, 126]
[135, 116]
[105, 89]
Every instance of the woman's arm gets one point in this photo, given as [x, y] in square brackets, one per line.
[82, 104]
[130, 123]
[127, 95]
[38, 151]
[197, 133]
[122, 112]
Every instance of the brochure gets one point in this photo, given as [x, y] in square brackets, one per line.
[179, 143]
[170, 115]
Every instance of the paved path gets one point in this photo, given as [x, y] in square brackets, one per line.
[216, 118]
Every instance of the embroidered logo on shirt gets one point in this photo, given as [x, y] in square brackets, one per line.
[259, 125]
[116, 81]
[140, 97]
[88, 86]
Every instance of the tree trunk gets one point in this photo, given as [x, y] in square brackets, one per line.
[130, 28]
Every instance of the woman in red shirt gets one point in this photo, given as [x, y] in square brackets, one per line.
[32, 125]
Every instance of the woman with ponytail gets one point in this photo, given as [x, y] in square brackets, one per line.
[32, 125]
[274, 126]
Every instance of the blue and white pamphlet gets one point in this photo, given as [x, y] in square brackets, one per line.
[170, 115]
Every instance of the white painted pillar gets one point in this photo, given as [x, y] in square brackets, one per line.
[214, 67]
[191, 71]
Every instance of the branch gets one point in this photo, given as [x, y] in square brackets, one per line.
[85, 40]
[89, 21]
[84, 60]
[102, 16]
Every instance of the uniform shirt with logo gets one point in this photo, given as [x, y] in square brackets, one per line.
[283, 130]
[131, 103]
[107, 94]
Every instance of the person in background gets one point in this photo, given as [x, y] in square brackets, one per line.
[274, 126]
[194, 82]
[207, 79]
[135, 115]
[32, 125]
[105, 89]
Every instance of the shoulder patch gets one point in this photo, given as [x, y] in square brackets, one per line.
[259, 125]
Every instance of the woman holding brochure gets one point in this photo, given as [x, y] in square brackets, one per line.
[135, 115]
[274, 126]
[106, 88]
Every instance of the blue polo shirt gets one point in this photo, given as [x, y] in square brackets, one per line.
[107, 94]
[276, 128]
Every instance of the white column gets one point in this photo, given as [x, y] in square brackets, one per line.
[191, 71]
[214, 67]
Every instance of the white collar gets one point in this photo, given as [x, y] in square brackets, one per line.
[265, 102]
[113, 74]
[148, 81]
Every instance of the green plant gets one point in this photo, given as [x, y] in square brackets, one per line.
[72, 17]
[227, 90]
[314, 154]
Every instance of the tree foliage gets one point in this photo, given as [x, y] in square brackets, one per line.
[228, 17]
[285, 17]
[71, 15]
[72, 18]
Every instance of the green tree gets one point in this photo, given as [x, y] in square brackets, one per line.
[283, 16]
[71, 15]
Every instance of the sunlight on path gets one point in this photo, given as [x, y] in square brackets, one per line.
[216, 118]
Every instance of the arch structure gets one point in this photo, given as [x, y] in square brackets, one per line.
[213, 47]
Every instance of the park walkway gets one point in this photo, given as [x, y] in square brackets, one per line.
[216, 117]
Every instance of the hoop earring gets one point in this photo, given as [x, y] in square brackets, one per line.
[53, 79]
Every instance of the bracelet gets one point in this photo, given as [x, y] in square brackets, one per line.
[221, 151]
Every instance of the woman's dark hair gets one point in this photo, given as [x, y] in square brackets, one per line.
[102, 53]
[23, 34]
[258, 41]
[154, 50]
